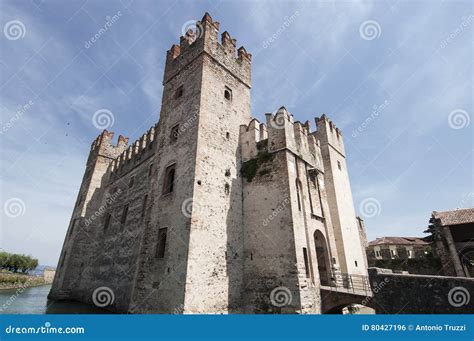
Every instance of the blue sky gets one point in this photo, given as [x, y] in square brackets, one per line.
[395, 77]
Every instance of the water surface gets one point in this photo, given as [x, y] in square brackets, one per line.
[35, 301]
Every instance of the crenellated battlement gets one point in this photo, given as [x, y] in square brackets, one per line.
[328, 133]
[103, 145]
[281, 132]
[136, 152]
[204, 39]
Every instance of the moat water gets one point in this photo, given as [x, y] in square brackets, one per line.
[35, 301]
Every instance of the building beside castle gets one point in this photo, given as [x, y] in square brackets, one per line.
[211, 211]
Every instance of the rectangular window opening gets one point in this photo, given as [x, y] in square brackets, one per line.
[161, 244]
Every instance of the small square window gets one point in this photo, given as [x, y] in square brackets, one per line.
[228, 94]
[174, 133]
[179, 92]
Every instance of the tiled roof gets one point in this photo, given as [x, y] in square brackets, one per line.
[398, 241]
[456, 217]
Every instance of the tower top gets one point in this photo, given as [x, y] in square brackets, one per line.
[203, 38]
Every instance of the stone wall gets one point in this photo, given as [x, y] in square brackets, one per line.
[419, 294]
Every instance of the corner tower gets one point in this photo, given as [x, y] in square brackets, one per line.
[352, 257]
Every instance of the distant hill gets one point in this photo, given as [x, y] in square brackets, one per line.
[38, 271]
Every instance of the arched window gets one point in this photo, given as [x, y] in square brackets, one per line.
[298, 193]
[169, 179]
[228, 94]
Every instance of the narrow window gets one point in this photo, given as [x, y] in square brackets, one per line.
[124, 214]
[64, 258]
[161, 244]
[306, 263]
[227, 135]
[355, 262]
[339, 165]
[174, 133]
[227, 189]
[107, 221]
[79, 201]
[298, 193]
[150, 170]
[228, 94]
[169, 179]
[179, 92]
[72, 227]
[131, 182]
[145, 199]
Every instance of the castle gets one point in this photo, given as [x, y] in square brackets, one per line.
[211, 211]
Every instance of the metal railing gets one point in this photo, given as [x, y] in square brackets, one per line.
[349, 282]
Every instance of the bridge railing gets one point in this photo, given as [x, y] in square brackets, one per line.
[350, 282]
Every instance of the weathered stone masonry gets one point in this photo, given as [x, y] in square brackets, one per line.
[212, 211]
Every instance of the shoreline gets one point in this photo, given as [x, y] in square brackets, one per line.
[24, 285]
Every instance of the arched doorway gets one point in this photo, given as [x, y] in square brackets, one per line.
[322, 255]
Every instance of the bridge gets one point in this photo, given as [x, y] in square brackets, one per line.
[398, 293]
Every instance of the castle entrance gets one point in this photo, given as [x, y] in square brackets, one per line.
[322, 256]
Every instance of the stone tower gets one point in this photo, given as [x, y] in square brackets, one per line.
[351, 254]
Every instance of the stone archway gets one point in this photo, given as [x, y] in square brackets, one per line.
[322, 255]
